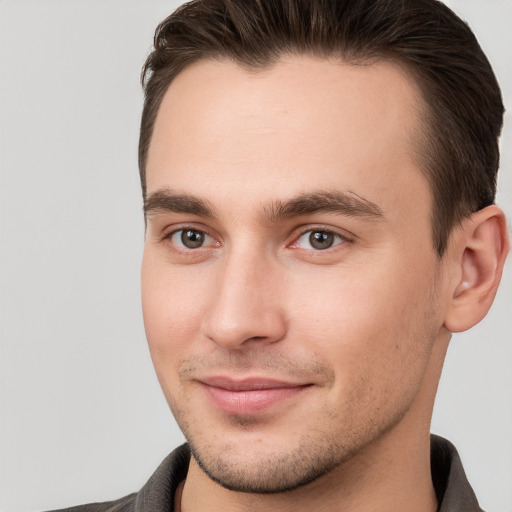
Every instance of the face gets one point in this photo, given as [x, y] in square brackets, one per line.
[290, 285]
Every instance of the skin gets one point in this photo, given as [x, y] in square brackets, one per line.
[361, 326]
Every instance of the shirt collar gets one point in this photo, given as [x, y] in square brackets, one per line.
[453, 490]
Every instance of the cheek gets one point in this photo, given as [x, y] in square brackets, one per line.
[375, 330]
[171, 306]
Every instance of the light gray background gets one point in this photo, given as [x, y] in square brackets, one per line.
[82, 417]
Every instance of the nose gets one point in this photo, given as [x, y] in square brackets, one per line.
[246, 306]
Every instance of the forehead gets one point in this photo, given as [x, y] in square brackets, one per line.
[302, 123]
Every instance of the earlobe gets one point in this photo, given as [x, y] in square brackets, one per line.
[481, 247]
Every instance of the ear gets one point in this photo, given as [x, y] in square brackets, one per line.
[479, 249]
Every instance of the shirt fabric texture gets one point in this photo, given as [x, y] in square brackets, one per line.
[453, 491]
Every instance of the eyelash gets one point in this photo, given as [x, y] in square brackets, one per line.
[339, 239]
[169, 236]
[336, 237]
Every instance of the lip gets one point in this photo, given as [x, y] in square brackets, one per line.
[249, 396]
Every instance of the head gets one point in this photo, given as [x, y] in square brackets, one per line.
[317, 179]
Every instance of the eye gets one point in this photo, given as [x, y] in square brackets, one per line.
[190, 238]
[318, 240]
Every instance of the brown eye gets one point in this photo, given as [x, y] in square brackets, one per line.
[190, 238]
[321, 239]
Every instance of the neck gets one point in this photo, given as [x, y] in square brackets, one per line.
[392, 473]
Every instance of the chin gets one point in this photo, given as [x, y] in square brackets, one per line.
[269, 471]
[268, 474]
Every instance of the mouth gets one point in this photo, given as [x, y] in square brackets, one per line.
[249, 396]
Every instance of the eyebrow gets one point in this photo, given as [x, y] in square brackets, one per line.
[343, 203]
[165, 200]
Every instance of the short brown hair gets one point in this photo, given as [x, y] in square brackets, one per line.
[464, 114]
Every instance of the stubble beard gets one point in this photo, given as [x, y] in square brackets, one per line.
[272, 474]
[312, 456]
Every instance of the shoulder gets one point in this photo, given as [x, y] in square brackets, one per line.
[126, 504]
[157, 495]
[453, 490]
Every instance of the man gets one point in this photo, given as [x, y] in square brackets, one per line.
[318, 182]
